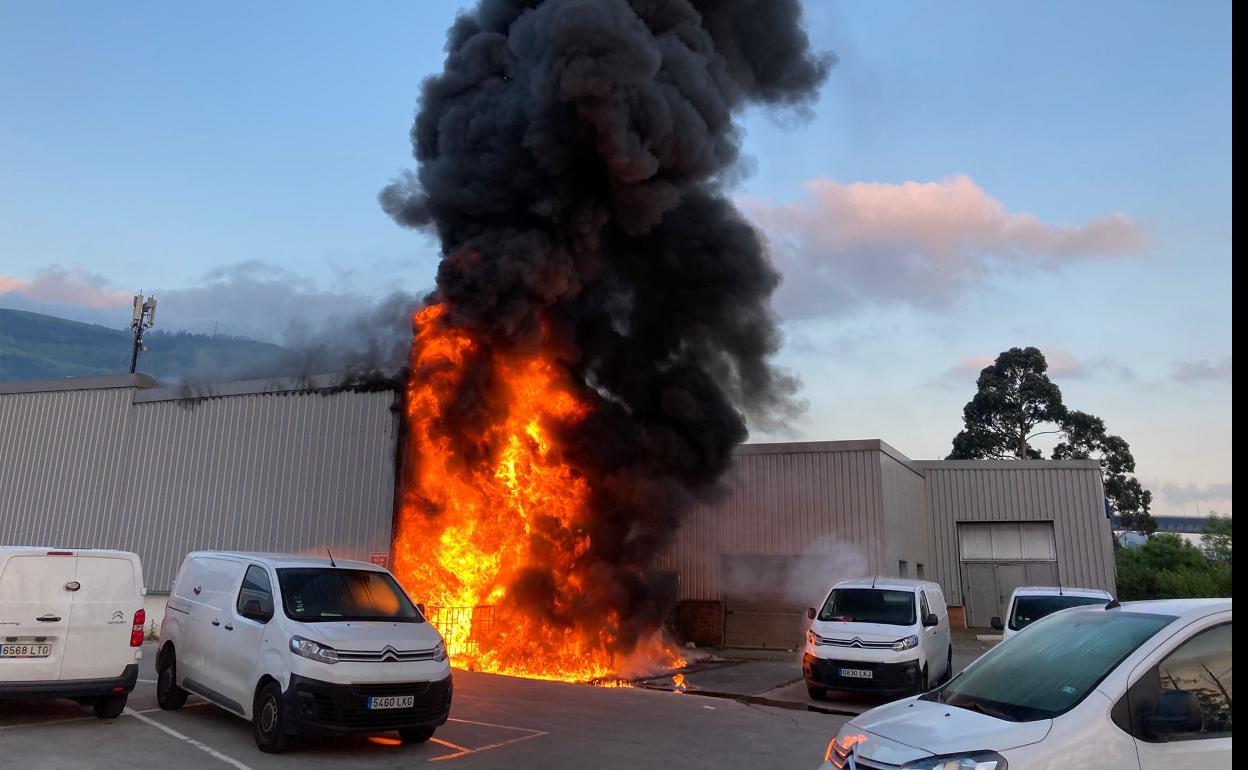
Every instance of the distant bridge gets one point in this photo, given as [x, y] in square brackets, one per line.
[1191, 525]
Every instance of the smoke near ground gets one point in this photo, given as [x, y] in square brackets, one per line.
[570, 159]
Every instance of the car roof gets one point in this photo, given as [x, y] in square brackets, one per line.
[279, 560]
[42, 550]
[887, 582]
[1182, 608]
[1060, 591]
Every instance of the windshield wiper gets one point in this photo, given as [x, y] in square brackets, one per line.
[974, 705]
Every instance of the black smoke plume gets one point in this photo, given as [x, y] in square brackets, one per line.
[571, 157]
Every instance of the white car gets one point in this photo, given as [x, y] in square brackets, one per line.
[302, 646]
[882, 635]
[1030, 603]
[71, 625]
[1137, 686]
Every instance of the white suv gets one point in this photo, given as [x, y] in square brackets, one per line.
[1030, 603]
[1136, 686]
[881, 635]
[302, 646]
[71, 625]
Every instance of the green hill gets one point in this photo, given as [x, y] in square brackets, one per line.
[34, 346]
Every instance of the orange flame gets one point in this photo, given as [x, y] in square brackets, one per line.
[678, 684]
[468, 527]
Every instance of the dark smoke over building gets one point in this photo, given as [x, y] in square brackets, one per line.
[571, 157]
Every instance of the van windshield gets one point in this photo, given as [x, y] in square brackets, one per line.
[327, 594]
[869, 605]
[1029, 609]
[1050, 669]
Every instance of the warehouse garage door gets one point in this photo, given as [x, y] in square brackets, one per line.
[997, 558]
[766, 596]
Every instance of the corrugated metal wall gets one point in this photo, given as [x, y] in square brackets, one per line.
[819, 497]
[1067, 493]
[284, 471]
[907, 526]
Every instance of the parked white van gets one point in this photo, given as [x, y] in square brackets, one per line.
[879, 635]
[1030, 603]
[71, 625]
[1136, 686]
[302, 646]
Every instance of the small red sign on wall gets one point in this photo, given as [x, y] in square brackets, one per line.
[380, 559]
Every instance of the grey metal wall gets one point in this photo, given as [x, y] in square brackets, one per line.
[149, 471]
[1067, 492]
[804, 498]
[907, 525]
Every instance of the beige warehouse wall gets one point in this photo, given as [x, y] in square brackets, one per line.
[907, 524]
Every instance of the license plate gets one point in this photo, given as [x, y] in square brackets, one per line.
[857, 673]
[25, 650]
[392, 702]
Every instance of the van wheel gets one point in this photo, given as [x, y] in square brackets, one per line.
[268, 721]
[922, 686]
[948, 667]
[416, 734]
[109, 706]
[818, 693]
[169, 696]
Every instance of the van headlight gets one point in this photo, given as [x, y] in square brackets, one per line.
[813, 639]
[909, 643]
[439, 652]
[313, 650]
[977, 760]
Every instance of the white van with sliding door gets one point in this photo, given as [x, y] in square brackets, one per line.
[302, 646]
[71, 625]
[882, 635]
[1031, 603]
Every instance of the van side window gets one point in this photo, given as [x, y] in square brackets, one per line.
[1188, 695]
[256, 587]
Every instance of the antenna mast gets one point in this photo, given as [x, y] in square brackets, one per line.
[144, 319]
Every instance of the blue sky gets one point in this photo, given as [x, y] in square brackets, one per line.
[149, 146]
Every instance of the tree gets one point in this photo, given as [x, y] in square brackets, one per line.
[1215, 540]
[1016, 402]
[1169, 567]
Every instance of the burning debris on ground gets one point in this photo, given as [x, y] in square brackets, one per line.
[601, 327]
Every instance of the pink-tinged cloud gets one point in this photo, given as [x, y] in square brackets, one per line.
[1062, 365]
[73, 285]
[920, 243]
[1201, 371]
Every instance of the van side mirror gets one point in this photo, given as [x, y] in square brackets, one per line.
[253, 610]
[1178, 712]
[810, 613]
[931, 620]
[997, 624]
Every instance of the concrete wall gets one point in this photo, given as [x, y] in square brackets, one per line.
[1067, 493]
[113, 462]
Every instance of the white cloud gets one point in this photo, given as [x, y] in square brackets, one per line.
[919, 243]
[1201, 370]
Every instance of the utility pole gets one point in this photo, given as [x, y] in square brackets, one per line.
[144, 318]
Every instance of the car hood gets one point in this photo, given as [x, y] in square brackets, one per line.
[867, 632]
[935, 728]
[370, 636]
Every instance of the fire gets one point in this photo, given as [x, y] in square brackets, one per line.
[678, 684]
[470, 526]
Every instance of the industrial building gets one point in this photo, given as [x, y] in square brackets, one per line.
[304, 466]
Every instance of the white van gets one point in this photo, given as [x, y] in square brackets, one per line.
[1136, 686]
[1030, 603]
[880, 635]
[71, 625]
[302, 646]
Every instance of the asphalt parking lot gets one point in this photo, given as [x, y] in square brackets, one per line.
[496, 722]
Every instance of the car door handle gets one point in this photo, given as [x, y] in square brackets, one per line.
[216, 622]
[229, 626]
[48, 618]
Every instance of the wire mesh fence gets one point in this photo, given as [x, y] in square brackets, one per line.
[462, 627]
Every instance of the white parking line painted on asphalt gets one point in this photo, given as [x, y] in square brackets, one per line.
[197, 744]
[464, 752]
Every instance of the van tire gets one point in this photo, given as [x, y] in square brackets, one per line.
[110, 706]
[268, 720]
[169, 696]
[948, 667]
[416, 734]
[922, 685]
